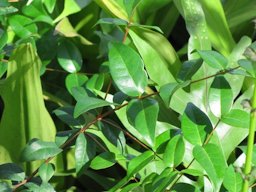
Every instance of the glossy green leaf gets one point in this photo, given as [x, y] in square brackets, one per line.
[142, 114]
[232, 180]
[35, 9]
[188, 69]
[211, 158]
[95, 82]
[66, 115]
[11, 171]
[88, 103]
[139, 162]
[249, 66]
[237, 118]
[127, 69]
[3, 68]
[75, 80]
[220, 96]
[174, 152]
[103, 161]
[22, 26]
[214, 59]
[195, 125]
[84, 151]
[71, 7]
[69, 57]
[46, 171]
[25, 116]
[37, 150]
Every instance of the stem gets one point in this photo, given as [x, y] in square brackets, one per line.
[250, 142]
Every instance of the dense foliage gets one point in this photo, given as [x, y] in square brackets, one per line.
[127, 95]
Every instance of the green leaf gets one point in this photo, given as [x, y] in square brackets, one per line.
[214, 59]
[75, 80]
[22, 26]
[188, 69]
[237, 118]
[35, 9]
[139, 162]
[11, 171]
[112, 21]
[71, 7]
[103, 161]
[66, 115]
[174, 152]
[232, 180]
[181, 187]
[3, 68]
[7, 10]
[220, 96]
[49, 4]
[167, 90]
[142, 114]
[25, 116]
[5, 187]
[88, 103]
[37, 150]
[84, 151]
[69, 57]
[211, 158]
[96, 82]
[130, 6]
[249, 66]
[46, 171]
[3, 38]
[127, 69]
[195, 125]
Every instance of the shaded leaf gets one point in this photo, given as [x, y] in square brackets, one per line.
[188, 69]
[75, 80]
[84, 151]
[195, 125]
[5, 187]
[11, 171]
[113, 21]
[37, 150]
[127, 69]
[142, 114]
[103, 161]
[249, 66]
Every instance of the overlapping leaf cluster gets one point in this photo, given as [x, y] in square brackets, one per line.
[133, 110]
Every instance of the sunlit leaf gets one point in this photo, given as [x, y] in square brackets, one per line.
[75, 80]
[195, 125]
[46, 171]
[214, 59]
[69, 57]
[103, 160]
[237, 118]
[127, 69]
[232, 180]
[220, 96]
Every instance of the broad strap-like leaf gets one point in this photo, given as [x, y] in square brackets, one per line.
[195, 125]
[142, 114]
[127, 69]
[220, 96]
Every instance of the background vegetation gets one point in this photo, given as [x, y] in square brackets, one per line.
[127, 95]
